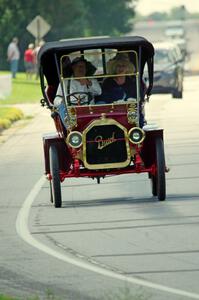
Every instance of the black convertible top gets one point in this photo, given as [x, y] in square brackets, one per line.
[53, 51]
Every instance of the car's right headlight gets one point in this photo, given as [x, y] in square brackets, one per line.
[136, 135]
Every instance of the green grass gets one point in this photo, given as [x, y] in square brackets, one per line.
[2, 297]
[23, 90]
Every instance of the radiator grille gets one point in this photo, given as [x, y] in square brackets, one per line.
[106, 145]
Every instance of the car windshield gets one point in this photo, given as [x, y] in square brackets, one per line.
[94, 70]
[162, 56]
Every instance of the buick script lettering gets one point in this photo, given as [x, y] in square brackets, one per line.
[102, 143]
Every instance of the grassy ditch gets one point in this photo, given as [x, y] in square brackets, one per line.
[23, 91]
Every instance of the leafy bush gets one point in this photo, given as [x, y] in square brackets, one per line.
[8, 115]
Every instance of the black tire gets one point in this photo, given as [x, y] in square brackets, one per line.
[177, 94]
[153, 185]
[51, 193]
[160, 174]
[55, 183]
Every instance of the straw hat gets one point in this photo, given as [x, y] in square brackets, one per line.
[120, 58]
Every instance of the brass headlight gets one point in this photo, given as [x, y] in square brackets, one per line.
[74, 139]
[136, 135]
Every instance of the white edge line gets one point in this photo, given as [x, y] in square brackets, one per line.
[24, 233]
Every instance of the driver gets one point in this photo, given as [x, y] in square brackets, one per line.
[76, 84]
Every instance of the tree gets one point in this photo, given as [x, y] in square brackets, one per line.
[109, 17]
[179, 12]
[13, 21]
[68, 18]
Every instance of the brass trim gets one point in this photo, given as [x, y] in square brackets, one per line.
[132, 112]
[71, 119]
[139, 129]
[104, 122]
[100, 76]
[97, 53]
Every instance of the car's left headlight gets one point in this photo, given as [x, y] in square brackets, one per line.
[136, 135]
[74, 139]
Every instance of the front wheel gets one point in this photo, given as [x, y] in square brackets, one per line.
[153, 185]
[178, 92]
[160, 182]
[54, 171]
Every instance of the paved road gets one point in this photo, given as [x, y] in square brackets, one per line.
[155, 31]
[111, 238]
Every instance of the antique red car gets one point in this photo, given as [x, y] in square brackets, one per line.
[106, 135]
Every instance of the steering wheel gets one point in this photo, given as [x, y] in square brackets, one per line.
[79, 96]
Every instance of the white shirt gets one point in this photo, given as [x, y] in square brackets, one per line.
[13, 51]
[74, 87]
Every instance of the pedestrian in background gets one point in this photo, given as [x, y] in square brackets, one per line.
[13, 55]
[29, 61]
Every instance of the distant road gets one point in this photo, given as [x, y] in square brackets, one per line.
[154, 31]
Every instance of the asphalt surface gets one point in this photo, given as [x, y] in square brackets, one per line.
[113, 238]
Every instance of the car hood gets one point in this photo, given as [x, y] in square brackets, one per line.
[161, 67]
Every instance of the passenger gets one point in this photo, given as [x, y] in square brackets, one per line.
[80, 67]
[123, 86]
[119, 87]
